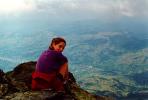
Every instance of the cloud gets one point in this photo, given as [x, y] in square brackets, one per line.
[92, 8]
[83, 8]
[10, 6]
[133, 7]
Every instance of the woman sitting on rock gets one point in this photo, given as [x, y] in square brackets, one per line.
[51, 68]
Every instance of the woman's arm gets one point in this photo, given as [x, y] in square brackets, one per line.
[64, 70]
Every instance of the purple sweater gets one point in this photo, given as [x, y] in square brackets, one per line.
[49, 61]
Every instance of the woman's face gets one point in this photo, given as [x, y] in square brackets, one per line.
[59, 47]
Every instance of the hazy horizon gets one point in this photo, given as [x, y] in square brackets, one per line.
[106, 38]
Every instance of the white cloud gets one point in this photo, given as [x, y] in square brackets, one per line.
[133, 7]
[129, 8]
[10, 6]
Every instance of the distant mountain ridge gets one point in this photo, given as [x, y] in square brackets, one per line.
[114, 55]
[115, 62]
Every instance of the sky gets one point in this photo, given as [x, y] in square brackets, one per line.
[74, 9]
[30, 15]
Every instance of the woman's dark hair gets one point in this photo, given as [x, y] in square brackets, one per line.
[56, 40]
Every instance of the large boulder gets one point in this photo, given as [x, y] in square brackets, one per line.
[21, 74]
[15, 85]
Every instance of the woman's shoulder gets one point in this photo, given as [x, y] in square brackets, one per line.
[53, 53]
[57, 55]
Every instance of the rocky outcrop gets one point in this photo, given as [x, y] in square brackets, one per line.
[16, 85]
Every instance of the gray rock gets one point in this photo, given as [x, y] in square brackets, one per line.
[15, 85]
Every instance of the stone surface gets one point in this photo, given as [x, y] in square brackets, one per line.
[15, 85]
